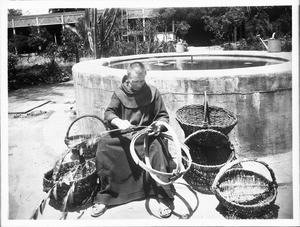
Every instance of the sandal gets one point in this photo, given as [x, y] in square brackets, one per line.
[165, 210]
[98, 209]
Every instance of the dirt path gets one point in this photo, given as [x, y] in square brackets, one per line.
[30, 155]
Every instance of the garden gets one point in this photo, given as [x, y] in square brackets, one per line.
[39, 59]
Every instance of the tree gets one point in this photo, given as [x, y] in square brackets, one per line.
[39, 39]
[175, 16]
[106, 22]
[224, 21]
[74, 42]
[181, 28]
[14, 12]
[165, 18]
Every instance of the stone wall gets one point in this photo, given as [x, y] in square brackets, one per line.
[260, 97]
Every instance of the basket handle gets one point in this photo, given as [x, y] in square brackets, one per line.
[238, 161]
[205, 104]
[94, 116]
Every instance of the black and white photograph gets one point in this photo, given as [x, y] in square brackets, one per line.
[149, 113]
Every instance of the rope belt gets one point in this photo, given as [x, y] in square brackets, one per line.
[178, 171]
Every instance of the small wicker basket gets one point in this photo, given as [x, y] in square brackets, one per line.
[210, 150]
[82, 175]
[85, 144]
[195, 117]
[244, 192]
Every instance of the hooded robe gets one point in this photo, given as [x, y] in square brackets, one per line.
[121, 180]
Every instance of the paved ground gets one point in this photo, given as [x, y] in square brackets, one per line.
[36, 140]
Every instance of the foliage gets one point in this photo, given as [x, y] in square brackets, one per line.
[250, 21]
[51, 51]
[221, 21]
[181, 28]
[105, 24]
[74, 43]
[134, 38]
[18, 42]
[119, 49]
[14, 12]
[12, 64]
[165, 18]
[47, 73]
[180, 17]
[39, 39]
[226, 23]
[122, 48]
[286, 43]
[243, 45]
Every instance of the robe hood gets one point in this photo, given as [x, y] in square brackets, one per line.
[135, 99]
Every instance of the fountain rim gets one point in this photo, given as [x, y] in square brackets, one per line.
[97, 66]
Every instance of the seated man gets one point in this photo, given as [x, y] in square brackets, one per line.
[135, 103]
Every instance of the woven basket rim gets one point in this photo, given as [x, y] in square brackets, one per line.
[231, 115]
[242, 206]
[51, 170]
[231, 156]
[205, 130]
[273, 184]
[236, 169]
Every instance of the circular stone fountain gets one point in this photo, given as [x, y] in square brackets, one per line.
[260, 96]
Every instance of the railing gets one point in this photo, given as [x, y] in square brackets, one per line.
[68, 18]
[45, 19]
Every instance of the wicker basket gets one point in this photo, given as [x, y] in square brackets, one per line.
[85, 144]
[210, 150]
[194, 117]
[83, 176]
[245, 192]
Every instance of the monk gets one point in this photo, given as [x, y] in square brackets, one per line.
[135, 103]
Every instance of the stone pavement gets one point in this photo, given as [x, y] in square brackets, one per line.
[190, 205]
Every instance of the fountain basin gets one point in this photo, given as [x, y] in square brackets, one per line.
[259, 96]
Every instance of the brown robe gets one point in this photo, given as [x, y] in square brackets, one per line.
[121, 180]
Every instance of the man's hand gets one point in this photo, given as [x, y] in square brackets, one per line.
[155, 129]
[121, 124]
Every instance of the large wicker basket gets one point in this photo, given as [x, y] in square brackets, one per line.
[82, 176]
[210, 150]
[244, 192]
[195, 117]
[83, 144]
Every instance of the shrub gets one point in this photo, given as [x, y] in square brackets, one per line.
[119, 49]
[243, 44]
[286, 44]
[47, 73]
[12, 63]
[254, 44]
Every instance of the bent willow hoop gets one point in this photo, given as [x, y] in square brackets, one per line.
[178, 171]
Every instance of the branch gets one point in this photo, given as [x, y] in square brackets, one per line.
[111, 26]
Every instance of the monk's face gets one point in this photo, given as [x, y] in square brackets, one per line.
[136, 80]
